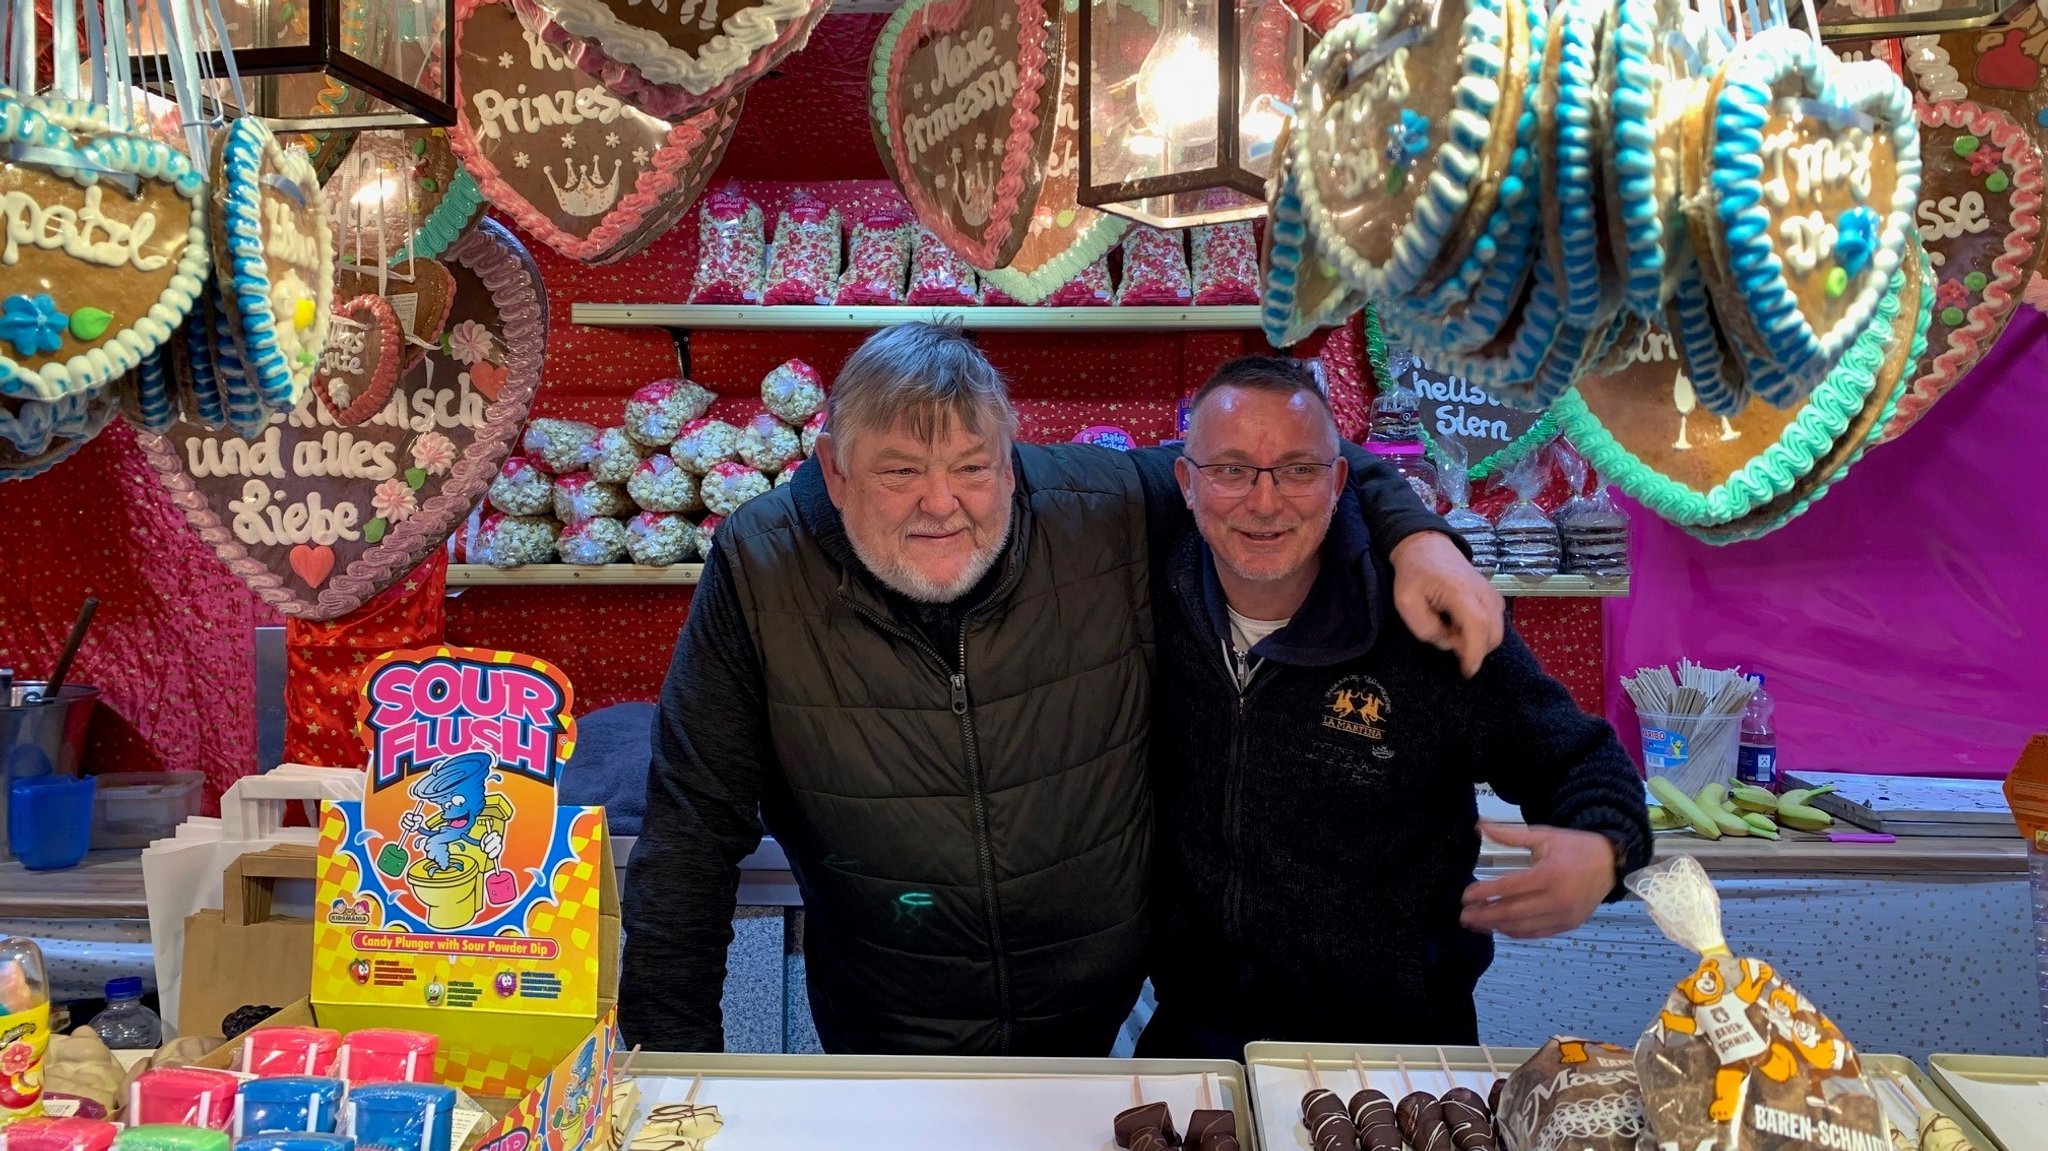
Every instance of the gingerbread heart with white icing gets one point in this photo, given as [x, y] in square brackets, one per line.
[1299, 290]
[1980, 221]
[971, 103]
[360, 364]
[421, 292]
[675, 60]
[97, 277]
[578, 167]
[275, 256]
[1812, 173]
[316, 516]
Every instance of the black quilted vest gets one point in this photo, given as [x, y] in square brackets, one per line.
[973, 850]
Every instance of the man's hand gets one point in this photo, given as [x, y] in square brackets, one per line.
[1445, 601]
[1570, 873]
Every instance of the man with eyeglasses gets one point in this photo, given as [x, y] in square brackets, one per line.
[1315, 762]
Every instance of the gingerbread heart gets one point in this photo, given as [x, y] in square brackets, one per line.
[1812, 170]
[361, 362]
[1300, 291]
[400, 188]
[383, 493]
[971, 101]
[1646, 431]
[573, 164]
[1980, 221]
[276, 258]
[96, 279]
[37, 435]
[675, 60]
[420, 291]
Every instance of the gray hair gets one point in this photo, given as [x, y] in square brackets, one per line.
[920, 377]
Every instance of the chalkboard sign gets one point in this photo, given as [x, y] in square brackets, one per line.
[1454, 410]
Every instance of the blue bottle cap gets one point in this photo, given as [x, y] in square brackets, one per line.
[126, 987]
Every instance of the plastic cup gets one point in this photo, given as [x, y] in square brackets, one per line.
[300, 1141]
[49, 821]
[1691, 751]
[388, 1055]
[168, 1137]
[46, 1134]
[295, 1104]
[184, 1096]
[402, 1116]
[274, 1051]
[500, 887]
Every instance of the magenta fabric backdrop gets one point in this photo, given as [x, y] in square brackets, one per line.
[1903, 620]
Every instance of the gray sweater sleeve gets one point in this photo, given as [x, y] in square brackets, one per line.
[711, 755]
[1561, 766]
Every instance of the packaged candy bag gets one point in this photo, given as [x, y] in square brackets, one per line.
[510, 541]
[1155, 268]
[1573, 1095]
[803, 263]
[705, 443]
[656, 413]
[706, 529]
[1739, 1060]
[794, 391]
[521, 489]
[580, 497]
[877, 259]
[1226, 264]
[659, 540]
[559, 446]
[614, 455]
[768, 444]
[939, 277]
[660, 484]
[592, 543]
[1090, 289]
[812, 427]
[731, 258]
[729, 485]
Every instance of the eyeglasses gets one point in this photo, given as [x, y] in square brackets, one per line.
[1239, 479]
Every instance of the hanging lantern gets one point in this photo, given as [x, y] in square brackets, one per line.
[1181, 101]
[314, 65]
[1867, 20]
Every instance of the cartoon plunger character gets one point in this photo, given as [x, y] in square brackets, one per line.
[462, 839]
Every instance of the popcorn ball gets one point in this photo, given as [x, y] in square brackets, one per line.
[729, 485]
[559, 446]
[803, 263]
[508, 541]
[580, 497]
[592, 542]
[877, 259]
[1155, 268]
[769, 444]
[940, 276]
[660, 539]
[656, 413]
[521, 489]
[794, 392]
[704, 443]
[731, 258]
[1226, 264]
[789, 473]
[812, 427]
[660, 484]
[706, 529]
[613, 456]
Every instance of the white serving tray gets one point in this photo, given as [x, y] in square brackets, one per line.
[2006, 1096]
[1280, 1077]
[887, 1103]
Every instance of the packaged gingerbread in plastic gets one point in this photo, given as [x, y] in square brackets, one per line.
[1529, 546]
[1592, 528]
[731, 255]
[803, 263]
[1575, 1095]
[1739, 1060]
[1455, 485]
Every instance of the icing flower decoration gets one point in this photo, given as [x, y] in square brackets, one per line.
[469, 342]
[1984, 161]
[32, 324]
[434, 452]
[1951, 294]
[288, 298]
[1408, 140]
[393, 500]
[1856, 239]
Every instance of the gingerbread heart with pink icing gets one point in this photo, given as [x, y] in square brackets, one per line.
[1980, 221]
[360, 364]
[971, 105]
[580, 168]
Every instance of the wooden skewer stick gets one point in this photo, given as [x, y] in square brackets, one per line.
[1206, 1076]
[1358, 1065]
[1444, 1060]
[1315, 1079]
[1407, 1086]
[1137, 1092]
[1492, 1067]
[690, 1100]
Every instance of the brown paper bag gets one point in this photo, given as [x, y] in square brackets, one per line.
[242, 954]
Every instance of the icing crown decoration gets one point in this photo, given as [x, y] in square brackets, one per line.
[580, 193]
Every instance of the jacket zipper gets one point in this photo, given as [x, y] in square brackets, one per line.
[984, 849]
[1233, 773]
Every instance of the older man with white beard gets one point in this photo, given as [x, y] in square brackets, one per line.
[925, 665]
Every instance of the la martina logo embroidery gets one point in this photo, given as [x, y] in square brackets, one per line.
[1358, 705]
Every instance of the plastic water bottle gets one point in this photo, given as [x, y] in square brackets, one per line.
[1757, 760]
[126, 1024]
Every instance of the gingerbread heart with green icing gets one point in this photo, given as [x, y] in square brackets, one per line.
[96, 278]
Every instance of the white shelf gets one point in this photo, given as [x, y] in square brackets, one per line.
[613, 575]
[544, 575]
[800, 318]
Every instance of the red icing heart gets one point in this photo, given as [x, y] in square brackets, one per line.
[271, 506]
[971, 179]
[362, 355]
[487, 378]
[2008, 66]
[313, 564]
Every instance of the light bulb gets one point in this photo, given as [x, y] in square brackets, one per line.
[1177, 88]
[1145, 144]
[381, 190]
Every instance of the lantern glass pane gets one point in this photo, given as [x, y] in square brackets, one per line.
[1268, 64]
[1154, 86]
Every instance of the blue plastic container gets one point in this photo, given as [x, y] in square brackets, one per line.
[402, 1116]
[49, 821]
[289, 1104]
[301, 1141]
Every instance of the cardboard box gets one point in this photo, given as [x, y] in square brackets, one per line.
[243, 954]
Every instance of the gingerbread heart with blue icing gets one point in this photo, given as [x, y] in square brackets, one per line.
[105, 250]
[276, 258]
[1810, 170]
